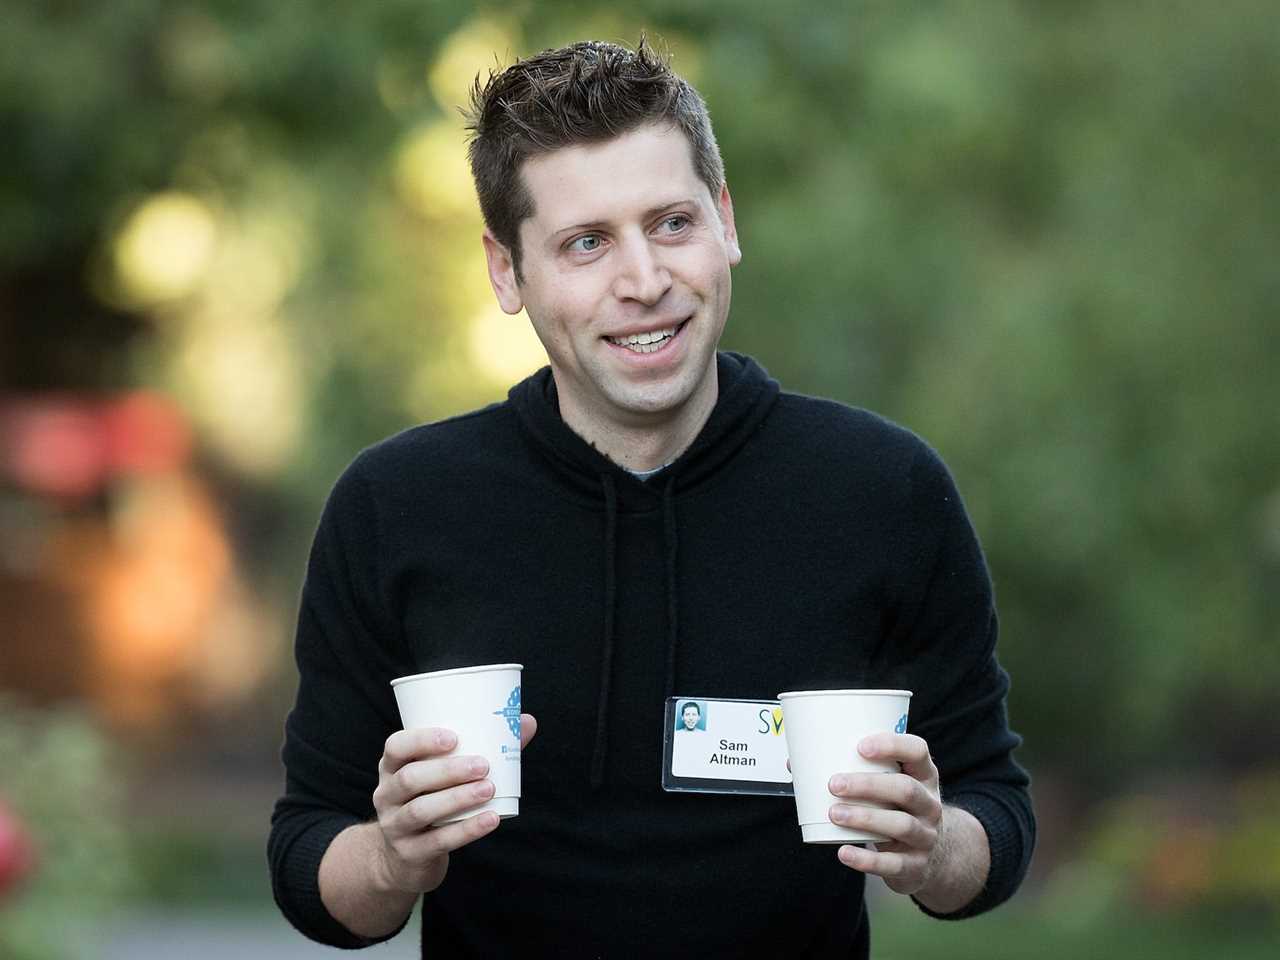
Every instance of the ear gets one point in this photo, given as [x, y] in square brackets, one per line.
[730, 229]
[502, 275]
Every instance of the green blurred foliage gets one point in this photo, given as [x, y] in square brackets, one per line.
[64, 780]
[1041, 234]
[1212, 849]
[1048, 931]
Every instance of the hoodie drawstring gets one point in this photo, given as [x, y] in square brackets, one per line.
[669, 535]
[610, 601]
[606, 647]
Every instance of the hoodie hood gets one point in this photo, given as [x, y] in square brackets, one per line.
[746, 395]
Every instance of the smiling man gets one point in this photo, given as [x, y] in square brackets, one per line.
[625, 276]
[643, 522]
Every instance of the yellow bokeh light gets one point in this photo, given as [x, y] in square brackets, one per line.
[470, 51]
[432, 175]
[258, 263]
[242, 383]
[164, 249]
[502, 347]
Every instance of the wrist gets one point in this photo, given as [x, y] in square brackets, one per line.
[962, 861]
[383, 874]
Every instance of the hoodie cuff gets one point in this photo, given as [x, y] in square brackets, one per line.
[298, 895]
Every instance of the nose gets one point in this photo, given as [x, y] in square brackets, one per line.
[641, 275]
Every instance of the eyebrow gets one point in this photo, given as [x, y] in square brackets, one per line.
[647, 215]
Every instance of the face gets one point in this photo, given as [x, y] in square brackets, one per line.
[690, 717]
[626, 277]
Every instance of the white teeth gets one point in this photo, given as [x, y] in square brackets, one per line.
[645, 342]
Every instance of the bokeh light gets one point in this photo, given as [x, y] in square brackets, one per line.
[164, 249]
[503, 347]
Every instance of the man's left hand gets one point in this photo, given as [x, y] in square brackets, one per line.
[913, 823]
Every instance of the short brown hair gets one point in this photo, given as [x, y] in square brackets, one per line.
[587, 92]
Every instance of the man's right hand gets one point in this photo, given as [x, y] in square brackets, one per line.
[418, 784]
[373, 873]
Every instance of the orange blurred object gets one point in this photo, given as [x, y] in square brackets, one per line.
[131, 602]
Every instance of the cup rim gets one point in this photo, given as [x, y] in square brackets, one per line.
[457, 672]
[796, 694]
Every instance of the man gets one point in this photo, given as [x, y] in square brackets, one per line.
[690, 716]
[644, 521]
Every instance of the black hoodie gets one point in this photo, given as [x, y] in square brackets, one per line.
[797, 543]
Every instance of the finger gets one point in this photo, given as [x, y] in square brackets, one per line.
[528, 727]
[447, 838]
[904, 748]
[423, 812]
[421, 777]
[892, 866]
[894, 790]
[405, 746]
[898, 826]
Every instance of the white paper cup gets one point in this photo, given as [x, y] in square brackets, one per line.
[823, 728]
[482, 706]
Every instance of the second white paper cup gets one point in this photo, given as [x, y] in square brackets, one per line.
[823, 728]
[482, 706]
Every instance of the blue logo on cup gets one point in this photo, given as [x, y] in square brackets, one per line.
[511, 712]
[901, 726]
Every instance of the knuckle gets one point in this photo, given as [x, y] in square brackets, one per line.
[392, 746]
[421, 810]
[406, 778]
[904, 791]
[430, 848]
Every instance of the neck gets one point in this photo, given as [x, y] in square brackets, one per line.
[648, 441]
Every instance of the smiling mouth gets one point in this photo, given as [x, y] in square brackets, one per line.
[648, 342]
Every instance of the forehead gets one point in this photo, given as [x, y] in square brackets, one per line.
[602, 182]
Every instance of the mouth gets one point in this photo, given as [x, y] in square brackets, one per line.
[650, 341]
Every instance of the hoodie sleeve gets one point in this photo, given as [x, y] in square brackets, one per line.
[942, 645]
[348, 647]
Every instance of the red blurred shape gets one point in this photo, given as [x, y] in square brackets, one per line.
[53, 446]
[145, 433]
[66, 446]
[17, 852]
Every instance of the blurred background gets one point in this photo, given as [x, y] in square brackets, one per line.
[239, 242]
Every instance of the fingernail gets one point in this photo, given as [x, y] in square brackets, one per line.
[478, 765]
[867, 748]
[484, 790]
[446, 740]
[839, 784]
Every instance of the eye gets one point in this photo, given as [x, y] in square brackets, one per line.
[675, 223]
[587, 243]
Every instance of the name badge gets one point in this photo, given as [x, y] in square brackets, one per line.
[725, 746]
